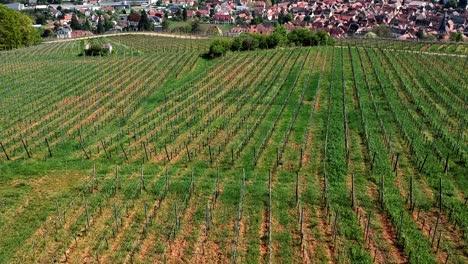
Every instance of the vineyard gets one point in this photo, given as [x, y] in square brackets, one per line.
[355, 153]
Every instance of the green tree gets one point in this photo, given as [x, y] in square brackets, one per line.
[451, 4]
[457, 37]
[382, 31]
[100, 26]
[278, 37]
[87, 25]
[16, 29]
[219, 47]
[48, 33]
[257, 20]
[108, 25]
[462, 4]
[195, 25]
[74, 23]
[184, 14]
[420, 34]
[145, 23]
[165, 24]
[274, 40]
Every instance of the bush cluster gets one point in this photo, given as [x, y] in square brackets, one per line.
[279, 37]
[96, 50]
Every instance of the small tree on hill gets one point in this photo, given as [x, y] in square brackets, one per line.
[100, 26]
[184, 14]
[145, 23]
[75, 23]
[165, 24]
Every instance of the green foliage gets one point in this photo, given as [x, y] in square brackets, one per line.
[195, 26]
[462, 4]
[16, 30]
[457, 37]
[145, 23]
[257, 20]
[184, 14]
[451, 4]
[219, 47]
[100, 26]
[279, 37]
[165, 24]
[96, 50]
[382, 31]
[282, 19]
[74, 23]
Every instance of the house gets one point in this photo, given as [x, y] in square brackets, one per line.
[81, 33]
[236, 31]
[15, 6]
[64, 32]
[223, 19]
[108, 9]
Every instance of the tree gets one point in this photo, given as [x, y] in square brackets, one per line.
[100, 26]
[144, 23]
[282, 19]
[278, 37]
[41, 19]
[249, 42]
[420, 34]
[219, 47]
[451, 4]
[48, 33]
[87, 25]
[16, 29]
[274, 40]
[382, 31]
[195, 26]
[108, 25]
[134, 17]
[457, 37]
[462, 4]
[74, 23]
[184, 14]
[257, 20]
[165, 24]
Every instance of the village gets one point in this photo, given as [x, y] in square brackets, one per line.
[406, 20]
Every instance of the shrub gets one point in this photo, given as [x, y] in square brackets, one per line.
[96, 50]
[219, 47]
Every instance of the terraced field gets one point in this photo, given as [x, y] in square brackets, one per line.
[355, 153]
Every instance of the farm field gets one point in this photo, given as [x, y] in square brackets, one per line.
[355, 153]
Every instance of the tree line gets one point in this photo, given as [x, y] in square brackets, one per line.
[278, 38]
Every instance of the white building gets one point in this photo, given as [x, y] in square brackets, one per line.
[64, 32]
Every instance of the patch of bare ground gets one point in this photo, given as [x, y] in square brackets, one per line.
[325, 229]
[200, 245]
[179, 245]
[389, 234]
[263, 234]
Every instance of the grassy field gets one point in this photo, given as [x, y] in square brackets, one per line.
[347, 154]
